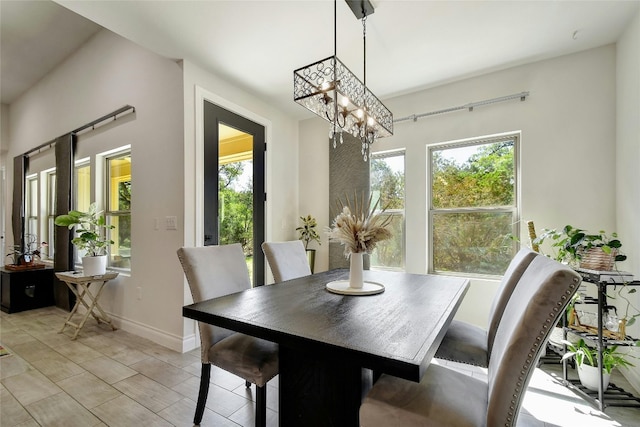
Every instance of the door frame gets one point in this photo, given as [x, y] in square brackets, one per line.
[194, 190]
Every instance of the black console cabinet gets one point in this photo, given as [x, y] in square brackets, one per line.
[26, 289]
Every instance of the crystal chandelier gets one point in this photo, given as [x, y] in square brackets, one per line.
[330, 90]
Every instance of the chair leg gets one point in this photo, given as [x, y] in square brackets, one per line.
[261, 406]
[203, 393]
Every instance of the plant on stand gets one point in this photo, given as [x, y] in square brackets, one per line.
[27, 256]
[308, 234]
[92, 237]
[586, 359]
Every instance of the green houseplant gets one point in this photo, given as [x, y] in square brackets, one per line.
[26, 257]
[586, 359]
[307, 233]
[573, 245]
[91, 237]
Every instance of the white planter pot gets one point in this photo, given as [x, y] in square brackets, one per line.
[590, 377]
[94, 265]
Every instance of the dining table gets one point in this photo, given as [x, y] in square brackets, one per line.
[332, 346]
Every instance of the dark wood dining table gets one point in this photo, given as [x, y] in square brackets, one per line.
[331, 346]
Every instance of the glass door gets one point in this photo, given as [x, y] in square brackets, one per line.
[234, 185]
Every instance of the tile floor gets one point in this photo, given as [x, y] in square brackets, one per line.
[113, 378]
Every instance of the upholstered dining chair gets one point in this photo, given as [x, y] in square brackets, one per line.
[214, 271]
[288, 260]
[470, 344]
[445, 397]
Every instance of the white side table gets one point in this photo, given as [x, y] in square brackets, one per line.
[79, 285]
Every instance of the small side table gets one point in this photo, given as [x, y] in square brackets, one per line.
[79, 285]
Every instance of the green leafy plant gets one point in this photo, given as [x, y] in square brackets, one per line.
[91, 230]
[27, 253]
[571, 243]
[308, 231]
[582, 353]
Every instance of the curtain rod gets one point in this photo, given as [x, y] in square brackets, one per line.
[470, 106]
[92, 125]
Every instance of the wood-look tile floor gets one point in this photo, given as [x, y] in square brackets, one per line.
[114, 378]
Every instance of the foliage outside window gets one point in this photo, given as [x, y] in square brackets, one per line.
[387, 183]
[236, 205]
[118, 209]
[473, 205]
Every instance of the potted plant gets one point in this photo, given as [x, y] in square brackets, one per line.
[586, 359]
[599, 251]
[308, 233]
[26, 257]
[92, 238]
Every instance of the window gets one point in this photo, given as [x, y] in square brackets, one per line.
[387, 183]
[82, 185]
[473, 205]
[48, 252]
[118, 208]
[31, 205]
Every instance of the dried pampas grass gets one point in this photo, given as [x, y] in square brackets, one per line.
[359, 228]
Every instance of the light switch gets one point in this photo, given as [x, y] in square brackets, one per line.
[171, 223]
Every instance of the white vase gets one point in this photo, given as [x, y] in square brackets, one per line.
[589, 377]
[355, 272]
[94, 265]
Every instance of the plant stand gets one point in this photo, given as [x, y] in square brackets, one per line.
[79, 285]
[613, 395]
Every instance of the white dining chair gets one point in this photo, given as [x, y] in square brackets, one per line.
[287, 260]
[215, 271]
[471, 344]
[450, 398]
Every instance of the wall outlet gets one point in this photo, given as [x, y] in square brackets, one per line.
[171, 223]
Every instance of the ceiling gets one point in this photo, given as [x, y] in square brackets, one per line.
[256, 45]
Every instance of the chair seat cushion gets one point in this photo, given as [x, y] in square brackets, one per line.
[464, 343]
[444, 397]
[253, 359]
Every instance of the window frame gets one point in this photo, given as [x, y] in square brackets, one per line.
[109, 214]
[514, 209]
[382, 155]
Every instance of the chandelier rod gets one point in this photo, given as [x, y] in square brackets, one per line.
[335, 28]
[364, 43]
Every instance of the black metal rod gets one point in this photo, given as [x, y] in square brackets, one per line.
[113, 115]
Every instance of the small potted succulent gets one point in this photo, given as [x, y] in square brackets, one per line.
[92, 238]
[308, 234]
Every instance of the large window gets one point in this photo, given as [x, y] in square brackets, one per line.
[387, 183]
[118, 208]
[473, 205]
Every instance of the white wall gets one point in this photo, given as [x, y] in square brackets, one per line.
[106, 73]
[568, 139]
[627, 161]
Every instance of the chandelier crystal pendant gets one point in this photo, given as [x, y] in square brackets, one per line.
[330, 90]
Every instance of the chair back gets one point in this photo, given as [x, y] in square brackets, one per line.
[536, 304]
[288, 260]
[214, 271]
[514, 272]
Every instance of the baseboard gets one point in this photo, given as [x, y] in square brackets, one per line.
[171, 341]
